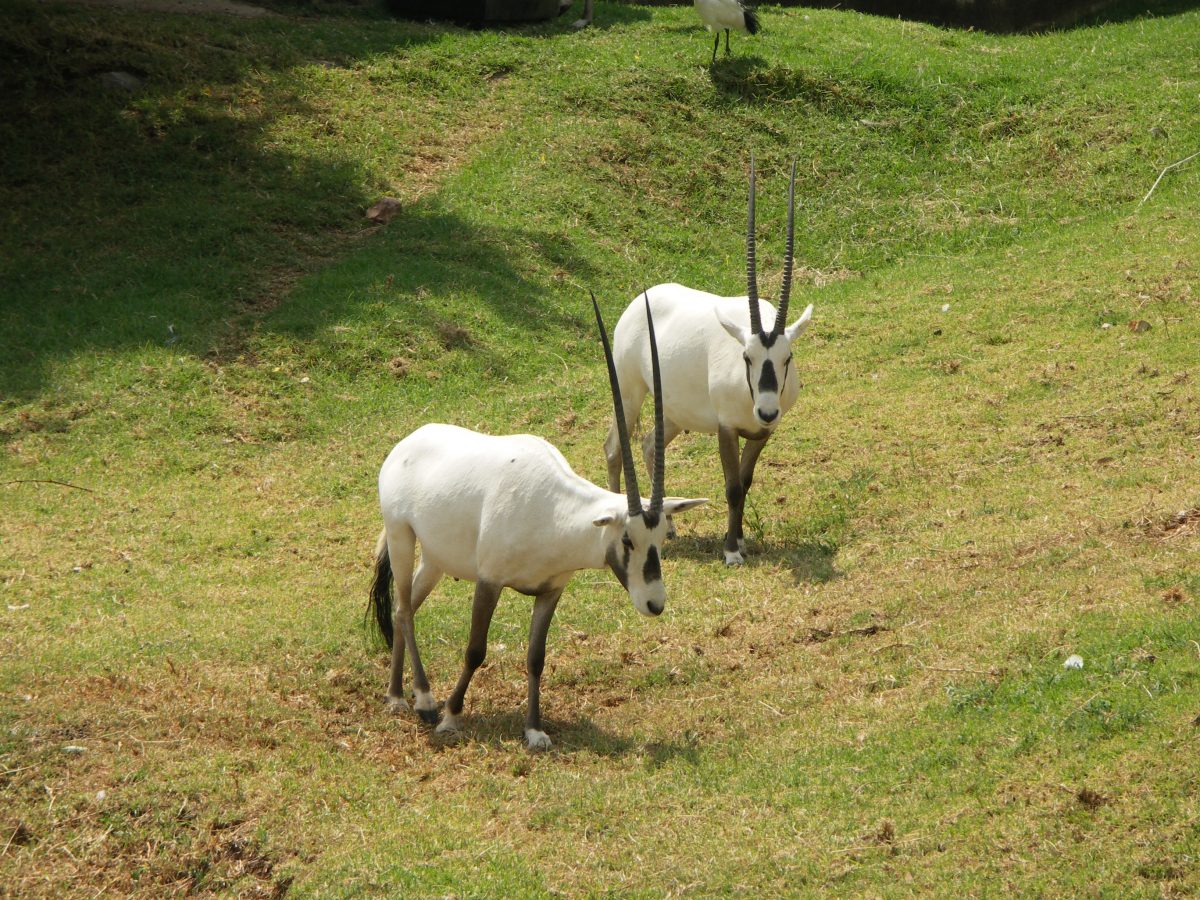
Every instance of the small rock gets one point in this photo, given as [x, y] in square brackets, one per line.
[1157, 132]
[384, 210]
[18, 607]
[100, 795]
[1074, 661]
[945, 307]
[1106, 325]
[74, 749]
[304, 380]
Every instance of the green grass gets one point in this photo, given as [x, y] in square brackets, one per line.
[199, 328]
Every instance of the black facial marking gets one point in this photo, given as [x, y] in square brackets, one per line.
[652, 571]
[768, 339]
[619, 563]
[767, 380]
[650, 518]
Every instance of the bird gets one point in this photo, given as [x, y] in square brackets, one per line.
[726, 14]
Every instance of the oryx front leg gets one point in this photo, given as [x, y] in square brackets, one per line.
[423, 584]
[750, 454]
[543, 612]
[486, 596]
[727, 443]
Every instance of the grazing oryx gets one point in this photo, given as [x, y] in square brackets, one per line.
[721, 372]
[509, 512]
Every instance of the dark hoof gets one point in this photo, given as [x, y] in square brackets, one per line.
[428, 716]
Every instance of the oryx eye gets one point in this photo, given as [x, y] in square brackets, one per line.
[788, 361]
[746, 357]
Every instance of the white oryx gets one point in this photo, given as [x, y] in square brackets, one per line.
[721, 373]
[508, 512]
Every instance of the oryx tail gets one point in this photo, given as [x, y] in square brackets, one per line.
[380, 605]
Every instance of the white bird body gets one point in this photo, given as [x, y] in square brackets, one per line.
[717, 15]
[726, 15]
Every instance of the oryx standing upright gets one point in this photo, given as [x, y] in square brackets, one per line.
[509, 512]
[722, 372]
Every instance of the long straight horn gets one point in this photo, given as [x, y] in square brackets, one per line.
[660, 446]
[751, 275]
[631, 485]
[785, 292]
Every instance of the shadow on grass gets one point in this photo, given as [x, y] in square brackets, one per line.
[577, 735]
[810, 561]
[605, 15]
[753, 79]
[1010, 17]
[437, 264]
[167, 216]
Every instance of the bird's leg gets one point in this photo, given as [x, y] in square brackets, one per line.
[726, 41]
[716, 44]
[586, 19]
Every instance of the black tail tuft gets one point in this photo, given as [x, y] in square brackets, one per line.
[752, 25]
[379, 606]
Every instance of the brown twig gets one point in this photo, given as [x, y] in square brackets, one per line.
[48, 481]
[992, 673]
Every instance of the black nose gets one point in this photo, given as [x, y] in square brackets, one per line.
[655, 608]
[768, 417]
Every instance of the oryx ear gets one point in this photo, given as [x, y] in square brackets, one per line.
[794, 331]
[735, 330]
[672, 505]
[608, 518]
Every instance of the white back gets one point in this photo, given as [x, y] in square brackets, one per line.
[510, 511]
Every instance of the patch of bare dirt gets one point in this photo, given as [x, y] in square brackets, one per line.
[1177, 525]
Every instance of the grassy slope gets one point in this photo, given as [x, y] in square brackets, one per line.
[875, 703]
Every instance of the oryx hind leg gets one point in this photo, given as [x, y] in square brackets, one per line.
[423, 583]
[401, 549]
[670, 432]
[484, 605]
[631, 401]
